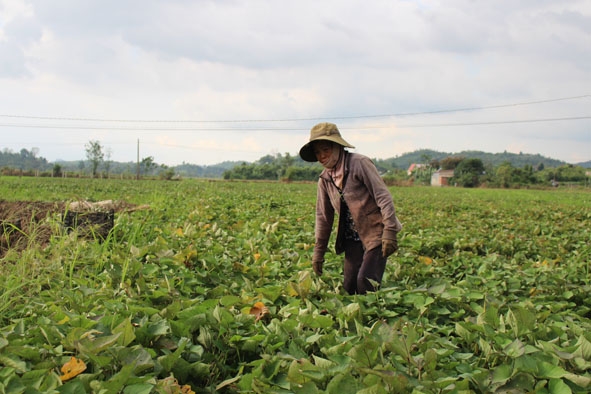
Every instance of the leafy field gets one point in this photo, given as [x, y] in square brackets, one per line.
[211, 290]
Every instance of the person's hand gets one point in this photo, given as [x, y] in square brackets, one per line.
[389, 246]
[317, 267]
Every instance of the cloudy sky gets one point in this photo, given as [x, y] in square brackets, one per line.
[206, 81]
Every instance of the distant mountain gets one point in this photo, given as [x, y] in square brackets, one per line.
[585, 164]
[494, 159]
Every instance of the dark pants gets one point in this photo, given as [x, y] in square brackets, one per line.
[360, 266]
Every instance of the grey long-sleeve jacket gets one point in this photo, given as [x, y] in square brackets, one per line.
[368, 199]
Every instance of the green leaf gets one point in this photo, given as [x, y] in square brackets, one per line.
[520, 382]
[322, 362]
[417, 300]
[582, 381]
[350, 311]
[515, 349]
[397, 345]
[365, 353]
[445, 382]
[583, 348]
[95, 345]
[12, 361]
[489, 316]
[157, 328]
[549, 371]
[306, 388]
[314, 338]
[475, 295]
[527, 364]
[342, 363]
[502, 374]
[73, 387]
[35, 378]
[118, 381]
[229, 300]
[430, 360]
[170, 361]
[222, 315]
[465, 331]
[521, 319]
[200, 307]
[272, 292]
[387, 376]
[294, 372]
[557, 386]
[137, 356]
[126, 331]
[437, 289]
[342, 384]
[141, 388]
[375, 389]
[321, 321]
[200, 370]
[227, 382]
[26, 352]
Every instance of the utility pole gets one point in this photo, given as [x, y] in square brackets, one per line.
[138, 160]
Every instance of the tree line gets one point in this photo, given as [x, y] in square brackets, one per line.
[279, 167]
[467, 172]
[98, 163]
[473, 172]
[471, 169]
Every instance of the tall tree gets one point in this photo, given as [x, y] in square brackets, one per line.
[450, 162]
[468, 172]
[108, 161]
[284, 163]
[147, 164]
[94, 154]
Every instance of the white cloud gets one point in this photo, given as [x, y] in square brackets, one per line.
[193, 63]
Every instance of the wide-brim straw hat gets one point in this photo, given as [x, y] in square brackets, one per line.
[322, 131]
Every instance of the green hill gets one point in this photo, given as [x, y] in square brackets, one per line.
[518, 160]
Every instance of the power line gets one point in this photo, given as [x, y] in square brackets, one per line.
[295, 119]
[69, 127]
[497, 122]
[457, 109]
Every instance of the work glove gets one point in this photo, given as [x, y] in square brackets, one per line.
[317, 267]
[389, 246]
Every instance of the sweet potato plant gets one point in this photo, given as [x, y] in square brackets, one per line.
[211, 290]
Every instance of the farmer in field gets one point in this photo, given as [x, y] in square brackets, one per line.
[367, 224]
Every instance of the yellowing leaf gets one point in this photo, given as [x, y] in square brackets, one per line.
[186, 389]
[179, 232]
[240, 267]
[291, 290]
[171, 385]
[72, 368]
[259, 310]
[533, 291]
[256, 256]
[426, 260]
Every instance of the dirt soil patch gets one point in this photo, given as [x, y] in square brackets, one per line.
[23, 223]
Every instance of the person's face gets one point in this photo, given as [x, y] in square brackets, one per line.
[327, 153]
